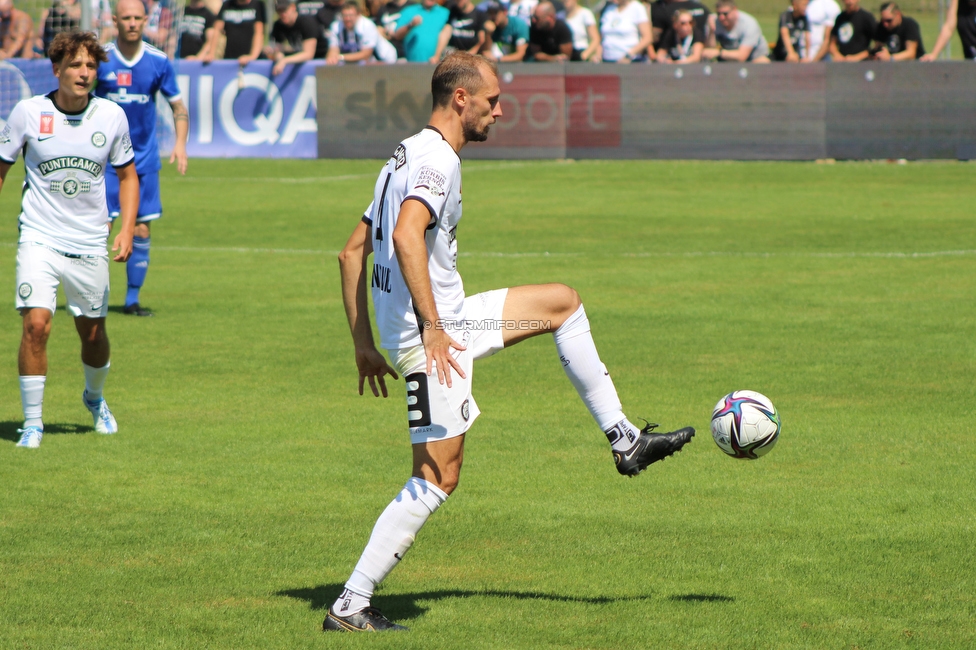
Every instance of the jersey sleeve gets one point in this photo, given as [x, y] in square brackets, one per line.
[13, 135]
[368, 33]
[430, 181]
[168, 85]
[368, 215]
[121, 153]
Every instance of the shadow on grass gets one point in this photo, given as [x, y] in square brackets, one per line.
[701, 598]
[398, 607]
[8, 430]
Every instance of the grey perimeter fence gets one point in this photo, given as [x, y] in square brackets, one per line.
[718, 111]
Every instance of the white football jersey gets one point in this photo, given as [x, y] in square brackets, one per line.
[65, 155]
[425, 168]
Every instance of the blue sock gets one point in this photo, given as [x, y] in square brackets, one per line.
[136, 269]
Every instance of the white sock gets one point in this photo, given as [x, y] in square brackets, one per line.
[32, 399]
[95, 381]
[392, 536]
[582, 365]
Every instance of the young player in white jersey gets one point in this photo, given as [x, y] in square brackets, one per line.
[427, 325]
[68, 138]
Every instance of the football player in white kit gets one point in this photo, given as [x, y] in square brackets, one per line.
[68, 137]
[433, 333]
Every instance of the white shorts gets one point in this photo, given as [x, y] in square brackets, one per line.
[434, 411]
[84, 277]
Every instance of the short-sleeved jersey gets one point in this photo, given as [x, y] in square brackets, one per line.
[425, 168]
[854, 31]
[133, 86]
[821, 15]
[797, 27]
[363, 35]
[193, 29]
[465, 27]
[420, 43]
[65, 156]
[239, 24]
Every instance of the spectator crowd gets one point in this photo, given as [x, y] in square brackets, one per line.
[423, 31]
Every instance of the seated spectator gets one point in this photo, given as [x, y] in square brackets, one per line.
[509, 36]
[386, 15]
[293, 39]
[465, 29]
[196, 29]
[683, 43]
[16, 28]
[586, 36]
[960, 16]
[850, 39]
[821, 15]
[63, 16]
[242, 21]
[550, 39]
[420, 27]
[793, 44]
[355, 39]
[625, 33]
[662, 17]
[898, 37]
[159, 20]
[737, 36]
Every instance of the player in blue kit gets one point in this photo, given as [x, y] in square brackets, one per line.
[135, 71]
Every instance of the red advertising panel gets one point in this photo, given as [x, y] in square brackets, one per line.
[593, 106]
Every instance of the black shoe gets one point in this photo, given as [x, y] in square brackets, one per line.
[367, 620]
[650, 448]
[135, 310]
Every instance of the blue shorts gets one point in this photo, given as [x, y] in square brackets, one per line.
[150, 207]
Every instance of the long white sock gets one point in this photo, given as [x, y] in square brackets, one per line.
[582, 365]
[95, 381]
[32, 399]
[392, 536]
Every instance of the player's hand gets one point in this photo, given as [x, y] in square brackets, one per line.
[122, 244]
[438, 345]
[179, 157]
[373, 366]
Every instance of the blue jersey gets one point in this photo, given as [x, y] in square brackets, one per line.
[133, 86]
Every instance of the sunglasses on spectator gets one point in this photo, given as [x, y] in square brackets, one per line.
[723, 13]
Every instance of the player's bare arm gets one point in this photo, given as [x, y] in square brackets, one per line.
[370, 361]
[181, 118]
[411, 251]
[129, 206]
[4, 168]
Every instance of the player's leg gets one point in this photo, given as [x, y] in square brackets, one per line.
[536, 309]
[137, 266]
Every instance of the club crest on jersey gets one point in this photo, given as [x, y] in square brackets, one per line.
[47, 123]
[70, 187]
[123, 77]
[400, 156]
[70, 162]
[431, 180]
[98, 139]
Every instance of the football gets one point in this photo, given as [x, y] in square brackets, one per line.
[745, 424]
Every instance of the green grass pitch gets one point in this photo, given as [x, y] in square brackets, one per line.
[248, 471]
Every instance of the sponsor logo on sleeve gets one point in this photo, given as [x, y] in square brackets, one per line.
[5, 134]
[126, 142]
[24, 290]
[400, 156]
[431, 180]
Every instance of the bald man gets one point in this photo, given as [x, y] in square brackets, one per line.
[134, 73]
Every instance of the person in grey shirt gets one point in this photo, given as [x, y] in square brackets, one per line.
[737, 36]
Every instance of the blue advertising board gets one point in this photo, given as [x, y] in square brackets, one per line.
[234, 112]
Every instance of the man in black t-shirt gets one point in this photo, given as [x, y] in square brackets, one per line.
[793, 44]
[196, 29]
[898, 37]
[243, 22]
[550, 39]
[386, 16]
[850, 39]
[467, 27]
[662, 17]
[961, 16]
[293, 38]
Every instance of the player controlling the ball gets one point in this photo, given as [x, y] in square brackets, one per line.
[433, 332]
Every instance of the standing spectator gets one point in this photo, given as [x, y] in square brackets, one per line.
[625, 32]
[683, 43]
[821, 15]
[737, 36]
[586, 36]
[159, 19]
[419, 27]
[523, 9]
[327, 14]
[898, 36]
[293, 39]
[355, 39]
[16, 28]
[196, 30]
[466, 27]
[243, 23]
[662, 17]
[961, 16]
[550, 38]
[793, 44]
[63, 16]
[850, 39]
[386, 15]
[509, 37]
[324, 17]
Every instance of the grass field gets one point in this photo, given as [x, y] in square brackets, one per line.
[248, 472]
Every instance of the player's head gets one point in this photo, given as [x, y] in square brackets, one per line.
[75, 57]
[467, 84]
[350, 13]
[727, 12]
[130, 20]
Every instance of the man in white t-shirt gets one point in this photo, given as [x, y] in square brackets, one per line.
[354, 38]
[821, 15]
[67, 138]
[433, 332]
